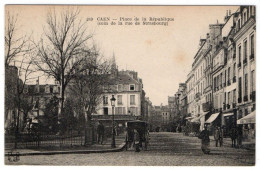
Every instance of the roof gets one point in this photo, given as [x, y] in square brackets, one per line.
[122, 79]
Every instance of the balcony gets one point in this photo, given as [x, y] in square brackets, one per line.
[245, 98]
[228, 106]
[234, 79]
[228, 82]
[252, 56]
[252, 96]
[245, 61]
[239, 100]
[239, 65]
[207, 106]
[197, 96]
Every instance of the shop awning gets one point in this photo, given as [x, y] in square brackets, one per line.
[247, 119]
[197, 119]
[228, 114]
[212, 118]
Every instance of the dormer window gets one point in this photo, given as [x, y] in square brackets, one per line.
[132, 87]
[120, 87]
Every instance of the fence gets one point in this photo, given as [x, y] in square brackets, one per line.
[71, 138]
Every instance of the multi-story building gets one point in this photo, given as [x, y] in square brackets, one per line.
[229, 74]
[40, 95]
[190, 93]
[245, 38]
[227, 87]
[127, 88]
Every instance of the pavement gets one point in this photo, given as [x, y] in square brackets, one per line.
[95, 148]
[245, 144]
[164, 149]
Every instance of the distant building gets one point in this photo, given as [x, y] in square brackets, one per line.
[40, 96]
[127, 88]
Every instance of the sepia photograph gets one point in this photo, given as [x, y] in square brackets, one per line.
[129, 85]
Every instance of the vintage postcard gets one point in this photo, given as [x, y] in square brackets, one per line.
[96, 85]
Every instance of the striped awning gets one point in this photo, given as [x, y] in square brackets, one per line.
[212, 118]
[197, 119]
[247, 119]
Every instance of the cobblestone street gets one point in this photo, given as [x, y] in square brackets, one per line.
[166, 149]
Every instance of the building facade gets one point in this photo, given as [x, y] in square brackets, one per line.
[221, 83]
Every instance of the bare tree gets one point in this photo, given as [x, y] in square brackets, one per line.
[63, 48]
[15, 44]
[87, 88]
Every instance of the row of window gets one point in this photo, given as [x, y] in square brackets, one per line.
[221, 80]
[119, 99]
[47, 89]
[120, 87]
[122, 111]
[246, 14]
[252, 50]
[245, 83]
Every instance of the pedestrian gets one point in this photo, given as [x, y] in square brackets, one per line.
[221, 136]
[217, 136]
[233, 136]
[100, 132]
[205, 141]
[239, 136]
[136, 141]
[130, 137]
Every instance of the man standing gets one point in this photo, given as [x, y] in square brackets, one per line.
[100, 132]
[233, 136]
[136, 140]
[221, 136]
[217, 136]
[205, 141]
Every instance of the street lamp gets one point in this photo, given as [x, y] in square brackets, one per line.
[113, 101]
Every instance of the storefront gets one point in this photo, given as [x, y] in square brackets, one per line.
[213, 121]
[248, 125]
[228, 122]
[200, 119]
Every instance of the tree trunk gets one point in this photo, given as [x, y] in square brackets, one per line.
[61, 104]
[88, 128]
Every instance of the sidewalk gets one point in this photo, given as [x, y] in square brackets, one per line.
[245, 145]
[95, 148]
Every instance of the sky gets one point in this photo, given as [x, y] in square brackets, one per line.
[162, 55]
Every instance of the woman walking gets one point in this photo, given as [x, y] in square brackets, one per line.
[205, 141]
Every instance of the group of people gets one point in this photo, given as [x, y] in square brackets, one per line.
[235, 135]
[134, 139]
[218, 136]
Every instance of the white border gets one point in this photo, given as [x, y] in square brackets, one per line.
[121, 2]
